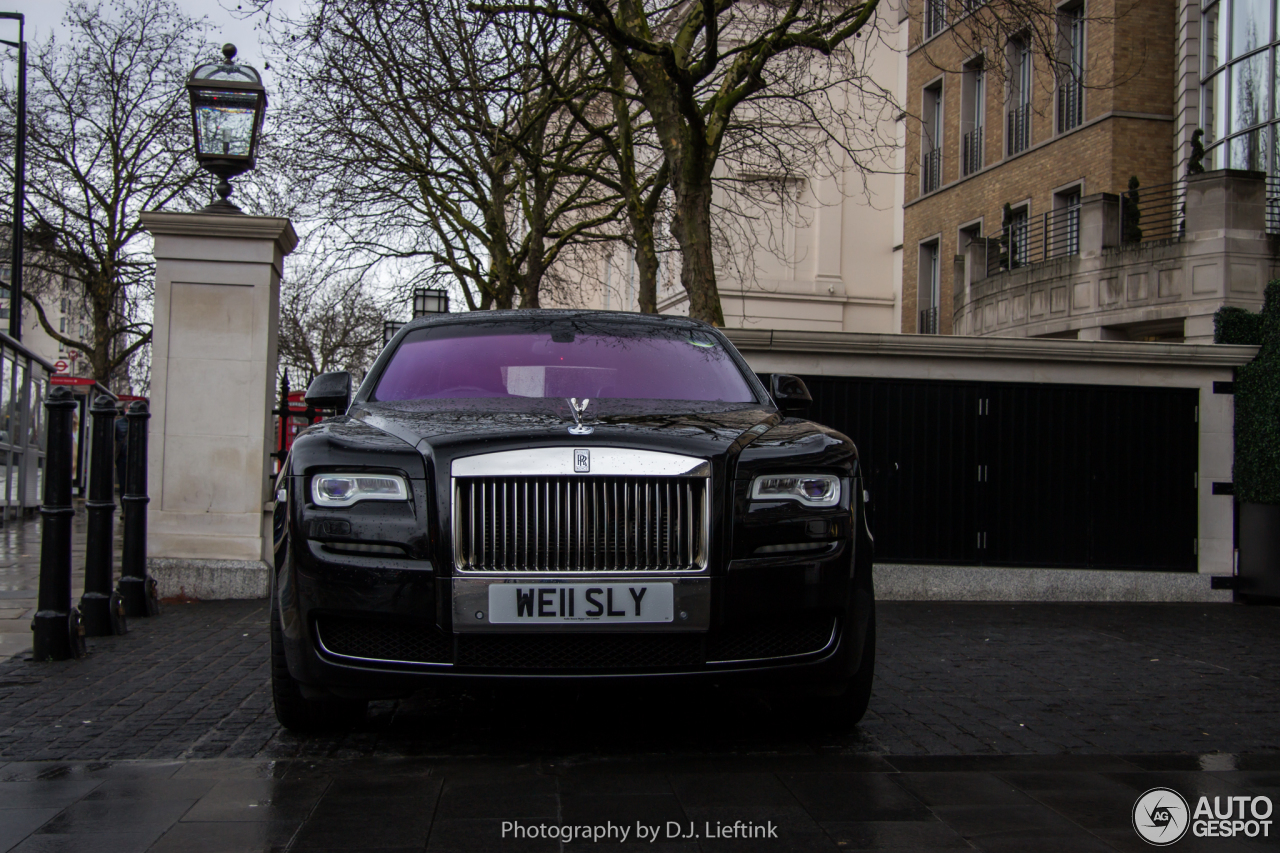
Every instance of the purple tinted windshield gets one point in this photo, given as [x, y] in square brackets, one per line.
[448, 362]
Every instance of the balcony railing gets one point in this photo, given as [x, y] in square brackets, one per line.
[1053, 234]
[1070, 105]
[931, 171]
[1156, 212]
[928, 324]
[1019, 129]
[971, 153]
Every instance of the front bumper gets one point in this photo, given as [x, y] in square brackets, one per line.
[366, 626]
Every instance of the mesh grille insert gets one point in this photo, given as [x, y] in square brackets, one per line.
[795, 636]
[379, 640]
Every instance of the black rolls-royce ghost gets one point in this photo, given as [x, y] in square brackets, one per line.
[567, 495]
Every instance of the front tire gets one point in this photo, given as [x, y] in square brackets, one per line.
[846, 709]
[296, 712]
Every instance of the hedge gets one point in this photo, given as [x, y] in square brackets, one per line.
[1257, 386]
[1233, 325]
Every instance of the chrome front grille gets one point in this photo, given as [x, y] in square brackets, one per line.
[580, 524]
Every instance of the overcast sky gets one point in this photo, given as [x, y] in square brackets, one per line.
[45, 16]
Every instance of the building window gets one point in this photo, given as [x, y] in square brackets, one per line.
[973, 110]
[929, 288]
[1064, 226]
[935, 17]
[62, 325]
[1019, 95]
[1240, 84]
[1071, 68]
[931, 140]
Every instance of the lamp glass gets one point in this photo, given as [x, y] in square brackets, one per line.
[224, 122]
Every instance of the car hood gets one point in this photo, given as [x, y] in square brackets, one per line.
[444, 430]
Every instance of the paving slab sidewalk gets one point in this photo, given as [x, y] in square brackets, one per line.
[20, 574]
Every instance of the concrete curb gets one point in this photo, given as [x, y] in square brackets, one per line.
[895, 582]
[209, 580]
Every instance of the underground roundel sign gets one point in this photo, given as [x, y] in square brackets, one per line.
[1161, 816]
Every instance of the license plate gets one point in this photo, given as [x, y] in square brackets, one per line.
[533, 603]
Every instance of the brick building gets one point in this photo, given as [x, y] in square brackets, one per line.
[1001, 119]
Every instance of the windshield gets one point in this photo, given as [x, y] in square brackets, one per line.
[594, 360]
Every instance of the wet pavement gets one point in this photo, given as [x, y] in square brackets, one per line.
[995, 727]
[20, 574]
[831, 802]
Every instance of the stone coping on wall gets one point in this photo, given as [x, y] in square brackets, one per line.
[1006, 349]
[902, 582]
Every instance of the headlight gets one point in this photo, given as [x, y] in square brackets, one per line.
[808, 489]
[346, 489]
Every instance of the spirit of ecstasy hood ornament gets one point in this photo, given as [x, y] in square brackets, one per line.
[578, 408]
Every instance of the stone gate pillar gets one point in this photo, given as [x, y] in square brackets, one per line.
[213, 368]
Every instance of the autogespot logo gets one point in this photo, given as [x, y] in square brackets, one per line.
[1160, 816]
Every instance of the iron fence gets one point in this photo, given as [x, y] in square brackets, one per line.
[931, 171]
[1019, 129]
[1157, 212]
[971, 156]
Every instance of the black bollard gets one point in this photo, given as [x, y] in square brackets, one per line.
[56, 626]
[136, 589]
[100, 606]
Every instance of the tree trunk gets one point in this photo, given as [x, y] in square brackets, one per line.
[646, 263]
[691, 228]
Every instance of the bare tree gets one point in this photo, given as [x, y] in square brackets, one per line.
[433, 142]
[108, 137]
[694, 63]
[327, 322]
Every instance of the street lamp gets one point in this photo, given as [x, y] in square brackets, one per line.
[389, 329]
[227, 104]
[430, 302]
[19, 178]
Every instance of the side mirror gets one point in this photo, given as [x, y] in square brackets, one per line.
[790, 393]
[330, 391]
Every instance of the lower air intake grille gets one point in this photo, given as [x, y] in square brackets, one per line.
[796, 636]
[580, 651]
[367, 639]
[364, 638]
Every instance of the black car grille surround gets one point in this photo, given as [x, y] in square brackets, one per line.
[580, 524]
[378, 640]
[415, 643]
[802, 635]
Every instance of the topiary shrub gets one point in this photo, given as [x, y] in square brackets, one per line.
[1257, 433]
[1232, 325]
[1131, 214]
